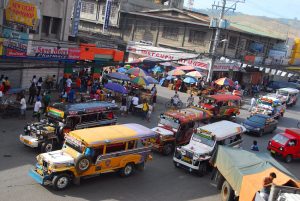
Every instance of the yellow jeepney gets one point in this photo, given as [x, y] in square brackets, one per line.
[94, 151]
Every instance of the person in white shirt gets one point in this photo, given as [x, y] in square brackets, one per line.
[23, 106]
[69, 84]
[135, 102]
[252, 103]
[37, 108]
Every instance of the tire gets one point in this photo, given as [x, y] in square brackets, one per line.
[288, 159]
[61, 181]
[127, 170]
[168, 105]
[167, 149]
[261, 133]
[227, 193]
[202, 169]
[47, 146]
[82, 163]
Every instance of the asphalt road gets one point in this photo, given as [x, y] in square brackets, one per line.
[159, 182]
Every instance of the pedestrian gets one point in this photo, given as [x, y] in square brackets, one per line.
[23, 106]
[2, 78]
[6, 84]
[46, 101]
[71, 96]
[78, 84]
[149, 113]
[32, 93]
[37, 109]
[252, 103]
[123, 108]
[39, 86]
[145, 109]
[154, 96]
[190, 100]
[68, 84]
[64, 96]
[34, 80]
[129, 102]
[254, 146]
[267, 184]
[1, 90]
[135, 102]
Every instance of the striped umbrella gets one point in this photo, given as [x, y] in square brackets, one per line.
[122, 70]
[176, 72]
[195, 74]
[151, 80]
[140, 81]
[136, 72]
[224, 81]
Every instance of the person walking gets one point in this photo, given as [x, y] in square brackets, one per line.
[32, 93]
[37, 109]
[68, 84]
[1, 90]
[190, 101]
[6, 84]
[154, 96]
[23, 107]
[46, 101]
[252, 103]
[149, 113]
[34, 80]
[145, 109]
[39, 86]
[123, 108]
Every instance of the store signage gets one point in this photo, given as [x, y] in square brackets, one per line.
[226, 67]
[76, 18]
[14, 53]
[51, 52]
[74, 53]
[107, 14]
[22, 13]
[15, 40]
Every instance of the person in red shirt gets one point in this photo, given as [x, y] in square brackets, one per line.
[78, 83]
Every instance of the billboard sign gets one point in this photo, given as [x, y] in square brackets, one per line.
[76, 18]
[15, 40]
[107, 14]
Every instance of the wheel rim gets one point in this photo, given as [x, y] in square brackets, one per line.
[128, 170]
[48, 147]
[62, 182]
[84, 164]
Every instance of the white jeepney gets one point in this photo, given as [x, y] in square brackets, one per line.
[290, 94]
[195, 156]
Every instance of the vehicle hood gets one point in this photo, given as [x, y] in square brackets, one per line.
[196, 147]
[162, 131]
[42, 126]
[57, 157]
[252, 124]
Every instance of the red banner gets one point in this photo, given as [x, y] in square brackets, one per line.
[14, 53]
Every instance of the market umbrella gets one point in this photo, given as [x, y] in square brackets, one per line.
[122, 70]
[224, 81]
[166, 64]
[157, 69]
[136, 72]
[176, 72]
[195, 74]
[127, 66]
[185, 68]
[142, 81]
[190, 80]
[118, 76]
[116, 87]
[170, 77]
[151, 80]
[150, 60]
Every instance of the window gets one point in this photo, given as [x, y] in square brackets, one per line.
[170, 33]
[106, 116]
[115, 147]
[46, 24]
[131, 144]
[197, 37]
[88, 7]
[55, 25]
[89, 118]
[220, 44]
[153, 26]
[114, 9]
[232, 42]
[72, 121]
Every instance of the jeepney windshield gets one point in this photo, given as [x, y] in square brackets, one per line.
[74, 144]
[169, 122]
[281, 139]
[204, 139]
[283, 93]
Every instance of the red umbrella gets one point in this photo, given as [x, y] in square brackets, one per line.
[224, 81]
[185, 68]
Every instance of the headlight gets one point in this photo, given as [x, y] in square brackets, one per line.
[281, 148]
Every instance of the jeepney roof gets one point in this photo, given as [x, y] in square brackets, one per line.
[187, 115]
[84, 107]
[223, 129]
[108, 134]
[289, 90]
[224, 97]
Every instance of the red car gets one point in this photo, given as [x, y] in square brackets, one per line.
[286, 145]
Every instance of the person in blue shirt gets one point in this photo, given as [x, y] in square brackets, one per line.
[254, 146]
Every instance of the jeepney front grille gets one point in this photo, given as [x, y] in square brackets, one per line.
[45, 166]
[189, 154]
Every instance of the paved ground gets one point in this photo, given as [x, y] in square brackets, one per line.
[159, 182]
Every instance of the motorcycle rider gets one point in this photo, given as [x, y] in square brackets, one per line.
[175, 99]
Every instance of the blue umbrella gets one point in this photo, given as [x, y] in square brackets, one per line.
[122, 70]
[116, 88]
[151, 80]
[169, 77]
[189, 80]
[118, 76]
[157, 69]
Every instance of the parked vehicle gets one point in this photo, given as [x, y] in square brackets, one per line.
[269, 105]
[94, 151]
[62, 118]
[222, 106]
[195, 156]
[290, 94]
[239, 175]
[260, 124]
[274, 85]
[286, 145]
[175, 127]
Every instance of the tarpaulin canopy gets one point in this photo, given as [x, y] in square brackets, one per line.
[245, 171]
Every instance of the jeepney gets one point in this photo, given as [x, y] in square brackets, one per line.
[175, 127]
[94, 151]
[269, 105]
[290, 94]
[62, 118]
[221, 105]
[195, 156]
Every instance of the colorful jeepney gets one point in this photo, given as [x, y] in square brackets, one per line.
[269, 105]
[93, 151]
[175, 127]
[221, 105]
[290, 94]
[62, 118]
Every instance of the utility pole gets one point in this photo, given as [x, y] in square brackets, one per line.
[216, 41]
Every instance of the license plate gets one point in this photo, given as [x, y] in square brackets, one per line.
[273, 152]
[186, 159]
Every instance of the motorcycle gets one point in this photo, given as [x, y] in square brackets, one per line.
[170, 104]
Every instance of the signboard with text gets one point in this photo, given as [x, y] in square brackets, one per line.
[55, 52]
[107, 14]
[76, 18]
[15, 40]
